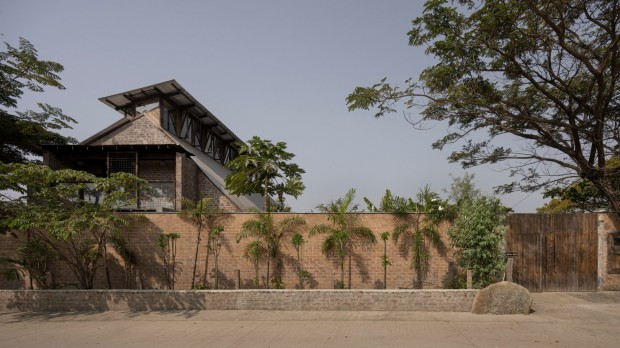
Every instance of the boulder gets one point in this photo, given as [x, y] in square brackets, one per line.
[502, 298]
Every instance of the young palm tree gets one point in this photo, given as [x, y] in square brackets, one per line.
[419, 230]
[255, 252]
[271, 233]
[203, 214]
[344, 233]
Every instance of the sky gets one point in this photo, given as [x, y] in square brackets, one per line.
[280, 70]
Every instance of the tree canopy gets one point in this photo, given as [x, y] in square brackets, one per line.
[265, 168]
[23, 132]
[544, 73]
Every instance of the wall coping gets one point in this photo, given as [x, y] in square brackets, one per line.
[432, 300]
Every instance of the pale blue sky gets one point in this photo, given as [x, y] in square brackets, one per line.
[277, 69]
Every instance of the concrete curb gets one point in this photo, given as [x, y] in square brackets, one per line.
[284, 300]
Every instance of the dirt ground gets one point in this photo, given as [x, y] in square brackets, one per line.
[588, 319]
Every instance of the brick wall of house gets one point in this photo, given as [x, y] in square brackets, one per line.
[367, 270]
[142, 130]
[608, 223]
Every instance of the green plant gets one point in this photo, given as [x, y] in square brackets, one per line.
[167, 243]
[264, 168]
[33, 257]
[542, 73]
[298, 241]
[385, 262]
[255, 252]
[344, 233]
[418, 230]
[49, 208]
[477, 236]
[203, 214]
[215, 245]
[271, 233]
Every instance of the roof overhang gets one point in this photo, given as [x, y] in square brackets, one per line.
[174, 93]
[114, 148]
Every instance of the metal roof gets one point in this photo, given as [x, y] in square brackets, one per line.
[175, 93]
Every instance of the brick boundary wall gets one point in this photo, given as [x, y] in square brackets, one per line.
[293, 300]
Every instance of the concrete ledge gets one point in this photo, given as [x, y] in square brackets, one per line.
[296, 300]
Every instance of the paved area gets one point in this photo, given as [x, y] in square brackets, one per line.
[558, 320]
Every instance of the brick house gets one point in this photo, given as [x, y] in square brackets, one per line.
[165, 137]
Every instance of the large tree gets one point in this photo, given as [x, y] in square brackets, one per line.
[543, 72]
[265, 168]
[54, 208]
[23, 132]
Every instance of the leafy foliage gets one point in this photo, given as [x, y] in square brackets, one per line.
[344, 233]
[49, 208]
[265, 168]
[477, 235]
[545, 73]
[22, 133]
[203, 214]
[271, 234]
[418, 231]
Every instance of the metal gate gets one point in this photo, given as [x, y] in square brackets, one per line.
[554, 252]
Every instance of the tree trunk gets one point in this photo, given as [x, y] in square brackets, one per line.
[606, 187]
[301, 280]
[105, 261]
[384, 261]
[205, 276]
[216, 274]
[350, 259]
[196, 256]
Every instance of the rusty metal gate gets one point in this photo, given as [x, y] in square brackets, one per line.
[554, 252]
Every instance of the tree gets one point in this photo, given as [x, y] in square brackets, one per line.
[270, 233]
[51, 208]
[22, 133]
[214, 246]
[203, 214]
[344, 233]
[418, 230]
[580, 195]
[298, 241]
[477, 236]
[167, 243]
[384, 258]
[545, 73]
[255, 252]
[265, 168]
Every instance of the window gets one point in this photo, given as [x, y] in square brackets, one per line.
[122, 162]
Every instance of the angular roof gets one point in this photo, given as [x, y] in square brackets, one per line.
[174, 92]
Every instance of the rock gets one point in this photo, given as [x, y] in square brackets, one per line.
[502, 298]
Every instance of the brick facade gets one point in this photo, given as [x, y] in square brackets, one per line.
[607, 224]
[143, 130]
[367, 269]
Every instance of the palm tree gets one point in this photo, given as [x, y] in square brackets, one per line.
[297, 241]
[255, 252]
[344, 233]
[271, 233]
[419, 231]
[203, 214]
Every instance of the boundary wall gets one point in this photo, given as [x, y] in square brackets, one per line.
[294, 300]
[324, 272]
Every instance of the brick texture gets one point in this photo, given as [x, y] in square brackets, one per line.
[367, 272]
[607, 223]
[142, 130]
